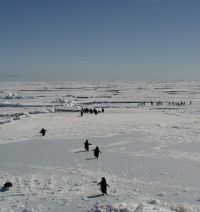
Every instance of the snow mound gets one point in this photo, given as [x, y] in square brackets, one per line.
[134, 208]
[153, 201]
[106, 208]
[182, 208]
[13, 96]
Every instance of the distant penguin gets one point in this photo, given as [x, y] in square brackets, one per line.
[86, 144]
[96, 152]
[103, 185]
[43, 131]
[7, 185]
[95, 111]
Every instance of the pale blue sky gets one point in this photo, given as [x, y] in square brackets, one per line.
[99, 40]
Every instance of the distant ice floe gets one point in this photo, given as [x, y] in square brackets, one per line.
[16, 96]
[66, 105]
[5, 121]
[6, 118]
[13, 96]
[66, 110]
[10, 104]
[65, 102]
[17, 104]
[40, 112]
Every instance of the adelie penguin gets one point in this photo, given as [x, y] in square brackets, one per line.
[96, 152]
[103, 186]
[7, 185]
[43, 131]
[87, 144]
[82, 112]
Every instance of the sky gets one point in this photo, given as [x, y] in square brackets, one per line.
[60, 40]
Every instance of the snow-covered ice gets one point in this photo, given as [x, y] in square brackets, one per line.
[151, 153]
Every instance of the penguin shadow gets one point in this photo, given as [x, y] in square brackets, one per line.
[3, 189]
[95, 196]
[81, 151]
[38, 135]
[90, 158]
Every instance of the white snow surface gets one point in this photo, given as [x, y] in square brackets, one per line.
[150, 153]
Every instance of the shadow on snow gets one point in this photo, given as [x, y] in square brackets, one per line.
[80, 151]
[91, 158]
[3, 189]
[95, 196]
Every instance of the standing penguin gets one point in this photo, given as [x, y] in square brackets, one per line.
[103, 185]
[86, 144]
[96, 152]
[43, 131]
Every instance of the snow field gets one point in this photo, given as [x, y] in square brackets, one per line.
[150, 154]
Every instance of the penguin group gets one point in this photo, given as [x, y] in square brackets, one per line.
[96, 149]
[103, 184]
[160, 103]
[91, 111]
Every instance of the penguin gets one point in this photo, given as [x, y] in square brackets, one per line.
[7, 185]
[86, 144]
[43, 131]
[95, 111]
[103, 185]
[96, 152]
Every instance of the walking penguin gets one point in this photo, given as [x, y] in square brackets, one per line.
[43, 131]
[81, 112]
[87, 144]
[96, 152]
[103, 185]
